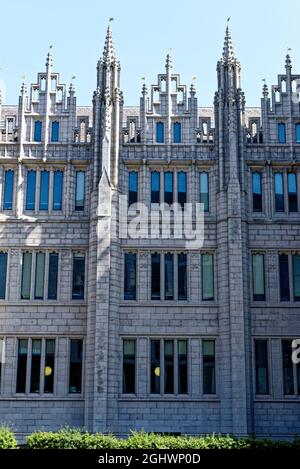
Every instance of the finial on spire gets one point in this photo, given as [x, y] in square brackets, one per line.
[144, 87]
[288, 61]
[265, 91]
[228, 51]
[23, 86]
[109, 54]
[169, 59]
[72, 87]
[49, 58]
[193, 87]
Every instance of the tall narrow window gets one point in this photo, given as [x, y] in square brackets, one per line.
[261, 367]
[80, 190]
[207, 277]
[39, 276]
[75, 377]
[169, 366]
[281, 133]
[155, 187]
[35, 365]
[168, 182]
[288, 373]
[279, 192]
[292, 192]
[204, 191]
[181, 188]
[44, 190]
[256, 192]
[160, 132]
[182, 277]
[128, 366]
[155, 367]
[169, 277]
[53, 276]
[133, 187]
[55, 131]
[182, 354]
[177, 132]
[296, 277]
[78, 276]
[57, 190]
[209, 365]
[258, 276]
[49, 366]
[26, 276]
[37, 131]
[155, 276]
[30, 192]
[297, 132]
[8, 190]
[130, 277]
[284, 277]
[22, 365]
[3, 273]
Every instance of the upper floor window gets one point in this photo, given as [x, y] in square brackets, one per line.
[168, 183]
[78, 276]
[155, 276]
[130, 276]
[160, 131]
[204, 190]
[57, 190]
[30, 191]
[279, 192]
[207, 263]
[129, 359]
[292, 192]
[181, 188]
[155, 187]
[261, 366]
[297, 132]
[169, 276]
[55, 131]
[284, 277]
[36, 262]
[182, 276]
[281, 133]
[209, 371]
[75, 371]
[296, 276]
[44, 190]
[291, 371]
[177, 132]
[258, 277]
[80, 191]
[256, 192]
[8, 190]
[37, 131]
[3, 273]
[133, 187]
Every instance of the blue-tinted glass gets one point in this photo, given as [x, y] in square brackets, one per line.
[279, 194]
[133, 187]
[292, 192]
[130, 277]
[37, 131]
[155, 276]
[160, 132]
[53, 276]
[296, 275]
[30, 194]
[8, 190]
[181, 183]
[288, 374]
[177, 132]
[284, 277]
[55, 131]
[80, 190]
[297, 133]
[44, 190]
[182, 277]
[204, 194]
[155, 187]
[281, 133]
[78, 277]
[256, 192]
[3, 270]
[261, 367]
[57, 190]
[169, 277]
[168, 180]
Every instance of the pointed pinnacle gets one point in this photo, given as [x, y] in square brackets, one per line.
[109, 54]
[228, 51]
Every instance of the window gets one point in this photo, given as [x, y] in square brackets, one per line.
[78, 276]
[37, 131]
[168, 183]
[284, 277]
[207, 277]
[155, 276]
[182, 276]
[8, 190]
[49, 366]
[133, 187]
[128, 366]
[281, 133]
[130, 277]
[261, 366]
[39, 260]
[209, 365]
[26, 276]
[288, 372]
[30, 192]
[3, 273]
[258, 277]
[80, 190]
[169, 366]
[22, 365]
[39, 275]
[181, 187]
[52, 276]
[155, 367]
[155, 187]
[292, 192]
[279, 192]
[44, 190]
[177, 132]
[75, 376]
[256, 192]
[204, 191]
[35, 372]
[297, 133]
[159, 132]
[55, 132]
[296, 277]
[57, 190]
[169, 277]
[182, 366]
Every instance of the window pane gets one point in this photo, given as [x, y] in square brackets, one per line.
[297, 132]
[292, 192]
[22, 365]
[49, 366]
[26, 276]
[177, 132]
[78, 276]
[129, 366]
[182, 367]
[182, 276]
[261, 366]
[181, 183]
[256, 192]
[155, 276]
[3, 273]
[159, 132]
[207, 277]
[80, 190]
[281, 133]
[39, 276]
[155, 367]
[130, 277]
[279, 194]
[53, 276]
[30, 194]
[55, 131]
[75, 379]
[258, 277]
[288, 375]
[8, 190]
[44, 190]
[296, 275]
[169, 366]
[209, 378]
[204, 191]
[155, 187]
[168, 182]
[37, 131]
[284, 277]
[35, 365]
[57, 190]
[133, 187]
[169, 277]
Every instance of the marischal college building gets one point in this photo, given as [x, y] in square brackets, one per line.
[115, 333]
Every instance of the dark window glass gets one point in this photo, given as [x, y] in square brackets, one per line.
[30, 193]
[256, 192]
[258, 273]
[39, 276]
[168, 181]
[177, 132]
[155, 367]
[22, 365]
[8, 190]
[296, 277]
[181, 183]
[297, 133]
[155, 276]
[169, 366]
[281, 133]
[3, 273]
[55, 131]
[26, 276]
[57, 190]
[261, 367]
[130, 277]
[49, 366]
[44, 190]
[78, 276]
[292, 192]
[279, 193]
[204, 191]
[288, 374]
[133, 187]
[182, 367]
[37, 131]
[80, 191]
[169, 277]
[298, 378]
[128, 366]
[182, 277]
[35, 365]
[155, 187]
[53, 276]
[284, 277]
[207, 277]
[209, 372]
[160, 132]
[75, 378]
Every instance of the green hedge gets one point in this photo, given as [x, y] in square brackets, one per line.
[7, 439]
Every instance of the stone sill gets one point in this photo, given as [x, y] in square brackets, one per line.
[168, 399]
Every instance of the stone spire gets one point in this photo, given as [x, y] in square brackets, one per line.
[288, 62]
[109, 53]
[228, 50]
[169, 64]
[49, 60]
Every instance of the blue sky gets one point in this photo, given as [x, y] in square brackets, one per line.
[143, 32]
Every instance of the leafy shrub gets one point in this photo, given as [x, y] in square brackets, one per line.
[7, 439]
